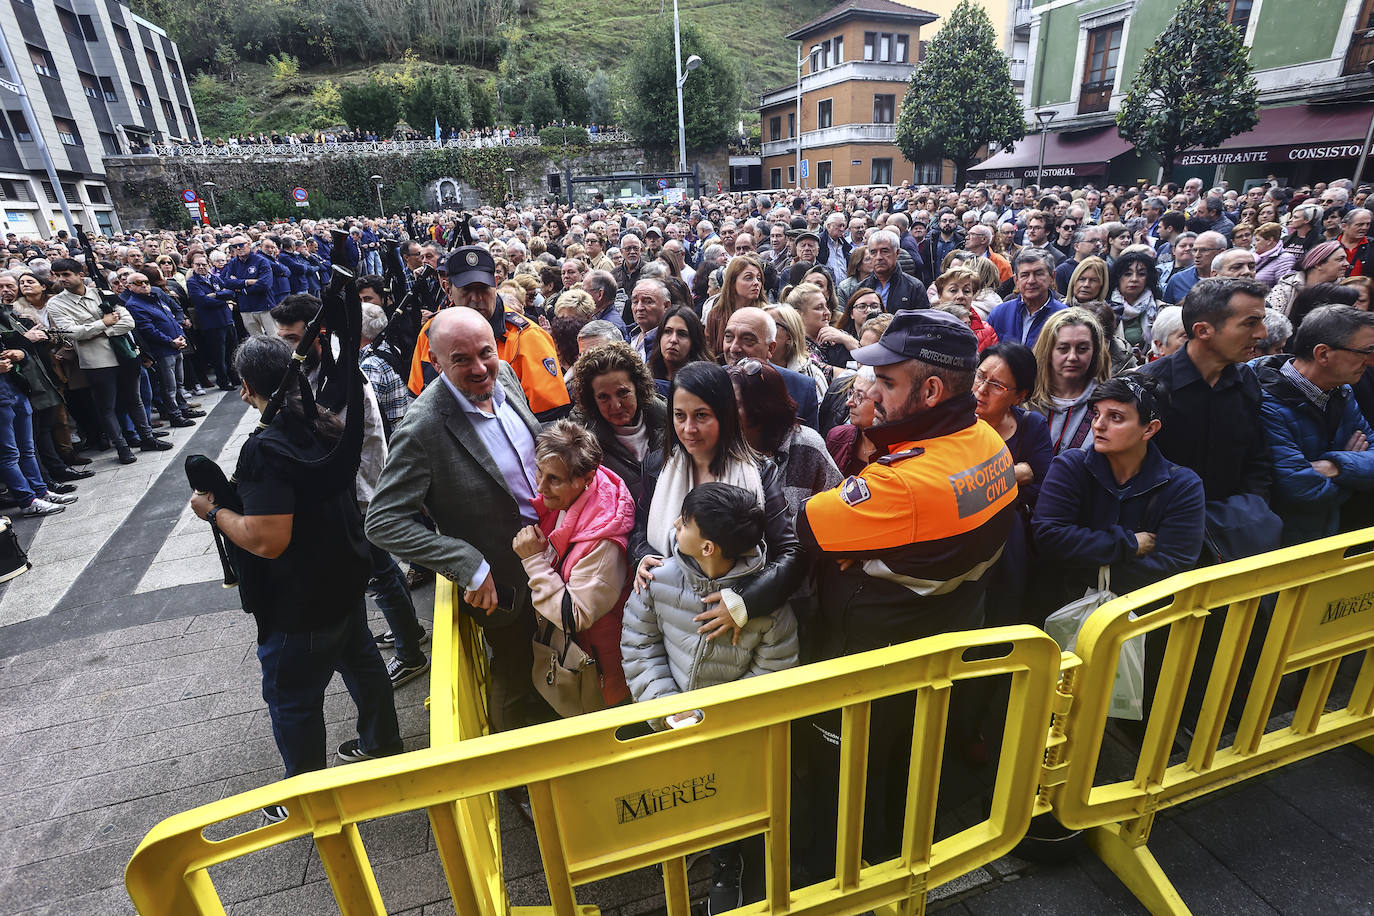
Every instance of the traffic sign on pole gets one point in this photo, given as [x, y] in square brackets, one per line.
[806, 168]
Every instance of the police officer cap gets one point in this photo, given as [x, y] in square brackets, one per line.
[471, 264]
[930, 335]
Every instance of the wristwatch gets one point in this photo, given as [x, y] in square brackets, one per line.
[210, 516]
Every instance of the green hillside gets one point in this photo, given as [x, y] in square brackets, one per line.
[244, 85]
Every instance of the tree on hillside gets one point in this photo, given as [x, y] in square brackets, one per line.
[960, 96]
[600, 105]
[570, 89]
[483, 97]
[710, 98]
[370, 105]
[541, 104]
[1194, 87]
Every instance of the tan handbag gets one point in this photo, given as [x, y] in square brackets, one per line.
[566, 677]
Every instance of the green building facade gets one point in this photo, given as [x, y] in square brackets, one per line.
[1310, 59]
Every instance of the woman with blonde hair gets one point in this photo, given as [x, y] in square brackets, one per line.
[989, 279]
[790, 352]
[1088, 282]
[1072, 360]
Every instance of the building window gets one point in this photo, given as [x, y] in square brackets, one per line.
[884, 109]
[140, 95]
[11, 189]
[67, 132]
[88, 28]
[1239, 13]
[1099, 70]
[928, 172]
[123, 39]
[823, 174]
[186, 119]
[96, 194]
[103, 220]
[887, 46]
[69, 189]
[792, 124]
[108, 89]
[828, 53]
[775, 128]
[90, 85]
[837, 49]
[48, 192]
[151, 57]
[69, 23]
[42, 62]
[881, 172]
[824, 109]
[791, 176]
[110, 144]
[775, 178]
[21, 127]
[173, 69]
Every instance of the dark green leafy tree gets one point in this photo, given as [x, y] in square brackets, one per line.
[960, 96]
[1194, 88]
[570, 88]
[600, 104]
[541, 103]
[710, 98]
[483, 97]
[370, 105]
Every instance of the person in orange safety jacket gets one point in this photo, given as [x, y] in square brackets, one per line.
[526, 346]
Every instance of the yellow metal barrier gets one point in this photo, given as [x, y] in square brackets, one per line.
[458, 672]
[1324, 613]
[603, 806]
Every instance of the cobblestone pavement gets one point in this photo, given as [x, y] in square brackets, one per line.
[129, 691]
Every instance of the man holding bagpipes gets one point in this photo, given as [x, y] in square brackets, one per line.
[290, 531]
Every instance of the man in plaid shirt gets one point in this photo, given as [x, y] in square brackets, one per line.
[393, 397]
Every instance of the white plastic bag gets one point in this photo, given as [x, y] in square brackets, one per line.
[1063, 626]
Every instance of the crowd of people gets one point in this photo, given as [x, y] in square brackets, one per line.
[499, 135]
[718, 439]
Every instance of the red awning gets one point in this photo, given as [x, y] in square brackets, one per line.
[1068, 154]
[1294, 134]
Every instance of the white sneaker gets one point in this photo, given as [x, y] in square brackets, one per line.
[61, 499]
[41, 507]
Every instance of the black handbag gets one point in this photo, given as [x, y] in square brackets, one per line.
[566, 677]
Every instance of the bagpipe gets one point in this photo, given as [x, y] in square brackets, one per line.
[340, 389]
[405, 321]
[108, 297]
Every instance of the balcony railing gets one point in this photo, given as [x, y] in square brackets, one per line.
[1360, 52]
[1021, 19]
[1095, 96]
[850, 133]
[1018, 71]
[308, 151]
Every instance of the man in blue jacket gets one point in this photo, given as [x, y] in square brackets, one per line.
[270, 248]
[251, 275]
[899, 291]
[162, 337]
[1020, 319]
[1317, 437]
[296, 267]
[214, 319]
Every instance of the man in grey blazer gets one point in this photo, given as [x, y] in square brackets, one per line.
[464, 453]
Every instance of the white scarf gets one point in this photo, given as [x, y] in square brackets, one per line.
[675, 482]
[1132, 312]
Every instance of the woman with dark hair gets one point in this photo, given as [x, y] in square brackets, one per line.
[703, 442]
[614, 397]
[1120, 503]
[842, 336]
[1310, 297]
[1135, 297]
[885, 206]
[681, 340]
[1004, 380]
[768, 416]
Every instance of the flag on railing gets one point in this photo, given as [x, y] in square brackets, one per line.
[436, 128]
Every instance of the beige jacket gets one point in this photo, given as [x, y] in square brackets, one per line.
[80, 318]
[596, 583]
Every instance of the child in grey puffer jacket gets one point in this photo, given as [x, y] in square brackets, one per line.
[716, 549]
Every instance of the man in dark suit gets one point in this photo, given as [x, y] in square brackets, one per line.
[464, 453]
[752, 333]
[898, 290]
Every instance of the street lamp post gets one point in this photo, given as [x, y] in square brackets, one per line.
[210, 186]
[1043, 118]
[510, 180]
[1368, 138]
[377, 180]
[692, 63]
[814, 49]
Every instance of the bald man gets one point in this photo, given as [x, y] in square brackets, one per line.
[465, 455]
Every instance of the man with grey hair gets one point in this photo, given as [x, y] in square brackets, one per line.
[597, 333]
[1313, 425]
[1214, 211]
[1354, 239]
[600, 285]
[648, 302]
[1087, 243]
[751, 333]
[979, 242]
[1233, 263]
[898, 290]
[1021, 318]
[835, 250]
[1209, 244]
